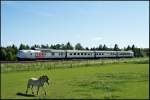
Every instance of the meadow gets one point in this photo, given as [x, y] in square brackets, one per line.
[125, 78]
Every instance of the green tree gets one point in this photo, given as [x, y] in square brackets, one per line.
[116, 48]
[44, 46]
[9, 56]
[129, 48]
[3, 54]
[53, 47]
[133, 47]
[93, 48]
[27, 47]
[58, 46]
[22, 46]
[35, 46]
[62, 47]
[86, 48]
[100, 47]
[146, 51]
[105, 47]
[78, 46]
[15, 49]
[138, 52]
[68, 46]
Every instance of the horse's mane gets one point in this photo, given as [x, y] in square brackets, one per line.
[42, 76]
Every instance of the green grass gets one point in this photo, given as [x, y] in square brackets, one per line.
[95, 81]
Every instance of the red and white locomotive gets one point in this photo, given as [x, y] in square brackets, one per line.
[69, 54]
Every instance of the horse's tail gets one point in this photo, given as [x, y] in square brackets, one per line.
[28, 83]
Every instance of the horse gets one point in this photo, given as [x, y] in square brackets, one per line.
[39, 82]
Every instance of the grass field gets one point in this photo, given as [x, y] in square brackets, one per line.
[95, 79]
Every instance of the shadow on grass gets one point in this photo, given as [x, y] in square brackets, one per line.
[24, 94]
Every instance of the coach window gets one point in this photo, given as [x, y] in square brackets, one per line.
[70, 53]
[53, 53]
[84, 53]
[74, 53]
[30, 53]
[81, 53]
[78, 53]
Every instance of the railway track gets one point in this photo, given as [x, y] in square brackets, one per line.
[51, 60]
[7, 62]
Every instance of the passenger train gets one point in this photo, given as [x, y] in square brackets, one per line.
[69, 54]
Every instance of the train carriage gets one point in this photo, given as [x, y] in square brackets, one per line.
[53, 54]
[80, 54]
[108, 54]
[28, 54]
[58, 54]
[69, 54]
[125, 54]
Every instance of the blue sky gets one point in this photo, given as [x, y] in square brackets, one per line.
[87, 22]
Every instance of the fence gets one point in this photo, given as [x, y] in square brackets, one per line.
[67, 64]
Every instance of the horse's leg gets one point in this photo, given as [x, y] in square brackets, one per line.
[38, 90]
[32, 89]
[44, 90]
[27, 88]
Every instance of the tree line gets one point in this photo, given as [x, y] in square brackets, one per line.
[9, 53]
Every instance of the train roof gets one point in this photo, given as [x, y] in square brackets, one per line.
[79, 51]
[29, 50]
[54, 50]
[113, 51]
